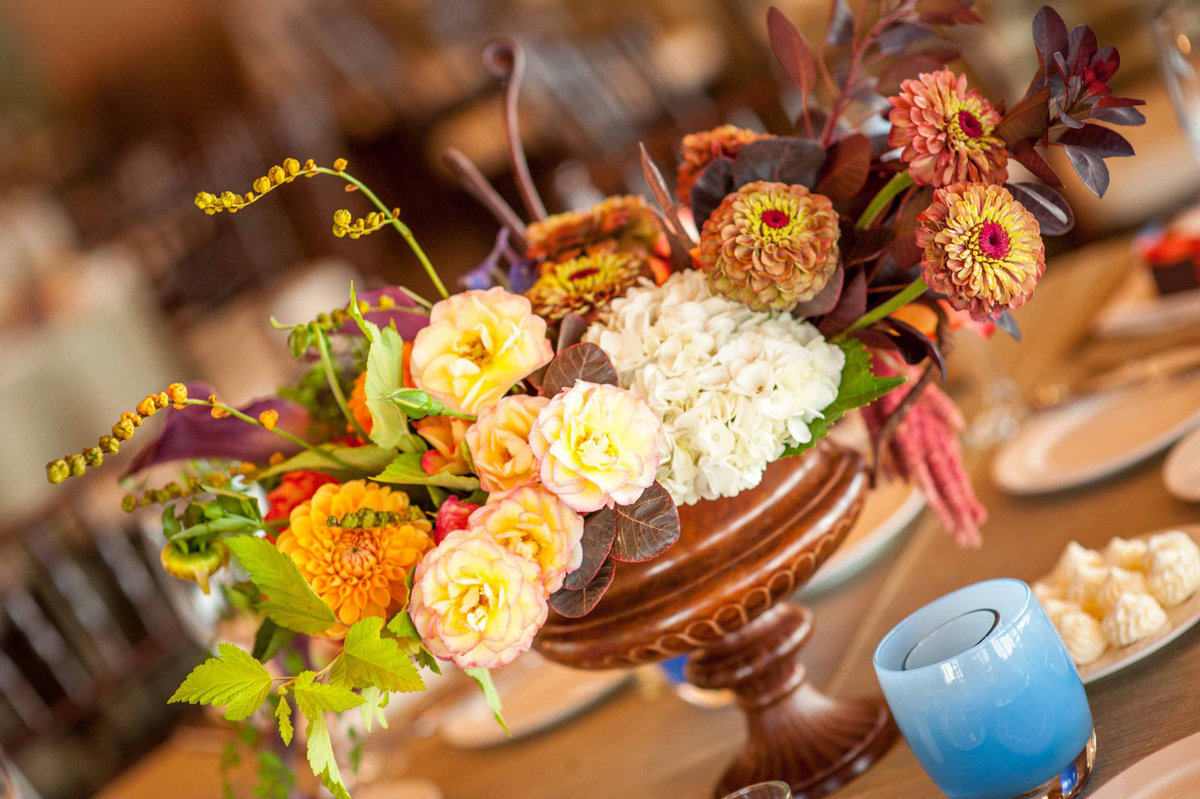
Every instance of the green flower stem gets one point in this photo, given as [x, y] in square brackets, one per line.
[400, 227]
[335, 386]
[234, 412]
[899, 182]
[910, 293]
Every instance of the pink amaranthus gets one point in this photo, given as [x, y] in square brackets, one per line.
[924, 449]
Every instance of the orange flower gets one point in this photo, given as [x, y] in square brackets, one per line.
[358, 572]
[446, 434]
[293, 488]
[698, 150]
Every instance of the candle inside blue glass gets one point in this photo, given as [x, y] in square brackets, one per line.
[987, 696]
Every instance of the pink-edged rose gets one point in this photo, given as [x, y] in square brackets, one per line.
[451, 517]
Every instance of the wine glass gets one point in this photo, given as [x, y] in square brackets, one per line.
[1176, 27]
[763, 790]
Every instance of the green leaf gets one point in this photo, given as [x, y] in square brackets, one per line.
[374, 701]
[402, 625]
[314, 698]
[289, 601]
[389, 425]
[418, 404]
[321, 757]
[369, 659]
[484, 678]
[270, 639]
[368, 459]
[233, 678]
[406, 470]
[283, 714]
[859, 386]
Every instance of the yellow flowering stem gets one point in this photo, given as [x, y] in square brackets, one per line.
[336, 387]
[899, 182]
[400, 227]
[234, 412]
[910, 293]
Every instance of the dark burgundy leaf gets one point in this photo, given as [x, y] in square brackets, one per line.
[841, 25]
[787, 42]
[782, 159]
[574, 604]
[710, 188]
[1048, 207]
[1028, 157]
[1027, 120]
[826, 298]
[1049, 35]
[1090, 168]
[865, 245]
[647, 528]
[1082, 45]
[662, 195]
[947, 12]
[902, 69]
[599, 531]
[1118, 102]
[898, 38]
[846, 168]
[192, 432]
[1006, 323]
[570, 331]
[851, 305]
[913, 345]
[1104, 142]
[874, 339]
[1119, 116]
[904, 250]
[583, 361]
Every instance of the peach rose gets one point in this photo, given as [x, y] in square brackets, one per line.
[445, 434]
[596, 445]
[499, 443]
[477, 345]
[531, 522]
[476, 603]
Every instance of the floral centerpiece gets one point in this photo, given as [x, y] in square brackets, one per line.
[448, 473]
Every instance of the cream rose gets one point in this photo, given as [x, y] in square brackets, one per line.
[531, 522]
[596, 445]
[499, 443]
[475, 603]
[477, 345]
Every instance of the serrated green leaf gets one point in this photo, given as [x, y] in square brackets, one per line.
[283, 714]
[385, 375]
[368, 460]
[406, 469]
[402, 625]
[859, 386]
[374, 701]
[321, 757]
[270, 639]
[425, 659]
[368, 658]
[233, 678]
[289, 601]
[484, 678]
[314, 698]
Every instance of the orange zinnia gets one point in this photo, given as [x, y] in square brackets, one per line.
[358, 572]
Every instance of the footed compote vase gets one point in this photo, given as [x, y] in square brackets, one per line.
[720, 595]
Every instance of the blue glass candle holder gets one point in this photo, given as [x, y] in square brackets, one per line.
[987, 697]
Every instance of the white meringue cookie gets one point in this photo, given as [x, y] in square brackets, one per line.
[1048, 591]
[1174, 576]
[1085, 587]
[1119, 581]
[1082, 636]
[1126, 554]
[1133, 617]
[1072, 558]
[1172, 540]
[1057, 607]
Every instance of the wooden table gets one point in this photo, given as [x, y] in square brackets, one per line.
[654, 746]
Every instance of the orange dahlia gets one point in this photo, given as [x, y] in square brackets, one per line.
[946, 131]
[983, 249]
[698, 150]
[357, 571]
[293, 488]
[583, 285]
[770, 245]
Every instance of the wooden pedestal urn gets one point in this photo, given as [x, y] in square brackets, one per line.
[719, 594]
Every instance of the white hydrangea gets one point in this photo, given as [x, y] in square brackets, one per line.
[733, 387]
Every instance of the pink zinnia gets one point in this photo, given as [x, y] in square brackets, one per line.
[946, 131]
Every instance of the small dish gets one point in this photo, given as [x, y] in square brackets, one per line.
[1181, 472]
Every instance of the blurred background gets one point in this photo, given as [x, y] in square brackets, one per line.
[114, 114]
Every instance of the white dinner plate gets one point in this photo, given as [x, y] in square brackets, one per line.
[1097, 437]
[886, 513]
[1181, 472]
[536, 694]
[1137, 310]
[1180, 619]
[1170, 773]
